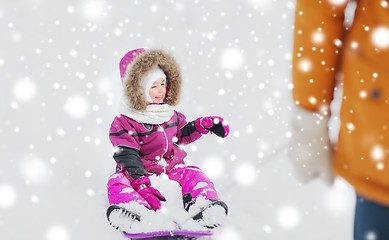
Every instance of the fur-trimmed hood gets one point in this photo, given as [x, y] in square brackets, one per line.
[136, 63]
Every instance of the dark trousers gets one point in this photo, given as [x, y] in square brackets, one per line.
[371, 220]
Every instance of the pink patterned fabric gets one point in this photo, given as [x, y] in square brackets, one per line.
[191, 179]
[155, 145]
[194, 181]
[120, 191]
[127, 59]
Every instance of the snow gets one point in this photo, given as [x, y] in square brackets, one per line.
[213, 167]
[8, 195]
[24, 90]
[338, 2]
[57, 233]
[245, 174]
[60, 90]
[77, 106]
[288, 217]
[305, 65]
[232, 59]
[380, 37]
[377, 153]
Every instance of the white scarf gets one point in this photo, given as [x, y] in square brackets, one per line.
[154, 113]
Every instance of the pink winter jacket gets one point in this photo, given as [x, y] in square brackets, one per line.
[158, 145]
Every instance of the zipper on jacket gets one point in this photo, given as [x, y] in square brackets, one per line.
[167, 146]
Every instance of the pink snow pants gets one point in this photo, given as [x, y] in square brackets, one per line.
[193, 181]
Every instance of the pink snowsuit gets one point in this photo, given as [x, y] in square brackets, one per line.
[160, 152]
[142, 149]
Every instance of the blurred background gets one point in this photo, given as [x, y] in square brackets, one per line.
[60, 86]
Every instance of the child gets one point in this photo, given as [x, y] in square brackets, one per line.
[147, 136]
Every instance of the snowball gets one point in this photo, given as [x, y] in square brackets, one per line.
[57, 233]
[213, 167]
[380, 37]
[377, 153]
[232, 59]
[77, 106]
[288, 217]
[8, 196]
[245, 174]
[24, 90]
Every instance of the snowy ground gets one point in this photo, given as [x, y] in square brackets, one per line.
[60, 85]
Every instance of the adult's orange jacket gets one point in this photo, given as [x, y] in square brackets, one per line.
[328, 51]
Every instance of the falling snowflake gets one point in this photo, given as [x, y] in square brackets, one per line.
[24, 90]
[77, 106]
[8, 196]
[57, 233]
[288, 217]
[232, 59]
[380, 37]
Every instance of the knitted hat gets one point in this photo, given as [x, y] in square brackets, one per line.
[148, 80]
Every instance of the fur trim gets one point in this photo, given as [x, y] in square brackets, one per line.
[138, 69]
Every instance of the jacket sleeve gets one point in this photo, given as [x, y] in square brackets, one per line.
[125, 140]
[318, 36]
[187, 132]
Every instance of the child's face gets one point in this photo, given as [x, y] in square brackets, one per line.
[157, 91]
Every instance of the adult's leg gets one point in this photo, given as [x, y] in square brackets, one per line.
[371, 220]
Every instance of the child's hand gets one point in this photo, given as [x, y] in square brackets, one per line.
[215, 124]
[151, 195]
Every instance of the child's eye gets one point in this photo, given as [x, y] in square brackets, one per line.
[153, 86]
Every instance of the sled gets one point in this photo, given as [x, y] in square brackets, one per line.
[167, 235]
